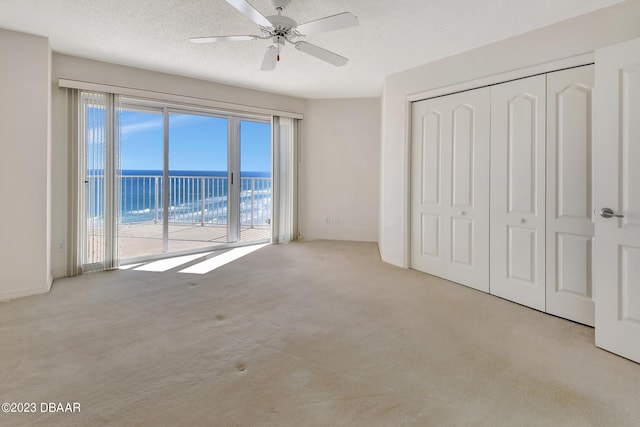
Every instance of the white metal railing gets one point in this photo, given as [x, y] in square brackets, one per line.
[193, 200]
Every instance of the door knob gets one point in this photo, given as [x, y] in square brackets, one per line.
[608, 213]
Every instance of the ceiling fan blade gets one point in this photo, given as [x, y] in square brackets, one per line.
[251, 12]
[320, 53]
[330, 23]
[214, 39]
[270, 59]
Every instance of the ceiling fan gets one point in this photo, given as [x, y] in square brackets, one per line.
[281, 29]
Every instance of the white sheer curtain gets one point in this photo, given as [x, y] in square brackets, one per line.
[285, 138]
[95, 179]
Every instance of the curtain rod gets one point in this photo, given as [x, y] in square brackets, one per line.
[170, 97]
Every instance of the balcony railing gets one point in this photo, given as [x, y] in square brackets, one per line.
[192, 200]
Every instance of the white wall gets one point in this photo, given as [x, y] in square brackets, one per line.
[74, 68]
[339, 170]
[573, 37]
[25, 69]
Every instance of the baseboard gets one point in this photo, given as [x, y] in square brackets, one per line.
[393, 261]
[21, 293]
[59, 274]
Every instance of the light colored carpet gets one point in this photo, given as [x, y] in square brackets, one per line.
[314, 333]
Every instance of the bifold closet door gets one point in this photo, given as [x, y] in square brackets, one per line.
[517, 247]
[450, 187]
[569, 223]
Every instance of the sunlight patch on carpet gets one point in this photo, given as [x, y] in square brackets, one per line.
[218, 261]
[163, 265]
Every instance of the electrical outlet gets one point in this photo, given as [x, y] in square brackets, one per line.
[333, 220]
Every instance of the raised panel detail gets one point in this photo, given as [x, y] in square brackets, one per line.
[430, 235]
[573, 134]
[521, 152]
[431, 136]
[462, 241]
[573, 268]
[630, 283]
[463, 141]
[521, 254]
[630, 112]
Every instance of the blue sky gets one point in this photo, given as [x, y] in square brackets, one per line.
[196, 143]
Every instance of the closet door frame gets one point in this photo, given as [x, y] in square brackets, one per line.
[553, 66]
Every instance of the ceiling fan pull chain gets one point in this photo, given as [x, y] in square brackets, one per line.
[279, 46]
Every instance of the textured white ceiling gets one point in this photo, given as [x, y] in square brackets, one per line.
[393, 35]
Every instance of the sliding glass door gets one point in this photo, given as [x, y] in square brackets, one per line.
[163, 180]
[256, 201]
[140, 223]
[198, 181]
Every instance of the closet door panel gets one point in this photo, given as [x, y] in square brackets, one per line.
[426, 186]
[572, 273]
[570, 227]
[450, 187]
[462, 238]
[462, 151]
[468, 207]
[521, 139]
[521, 254]
[430, 235]
[518, 191]
[430, 145]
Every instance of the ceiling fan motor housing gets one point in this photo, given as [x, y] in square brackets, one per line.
[282, 27]
[282, 23]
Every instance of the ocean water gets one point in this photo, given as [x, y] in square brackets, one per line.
[195, 197]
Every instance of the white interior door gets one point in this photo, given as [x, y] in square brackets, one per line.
[617, 187]
[569, 222]
[518, 191]
[450, 187]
